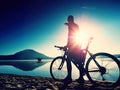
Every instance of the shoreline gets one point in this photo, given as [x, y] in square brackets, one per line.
[26, 82]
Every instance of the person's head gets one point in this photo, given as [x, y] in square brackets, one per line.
[70, 18]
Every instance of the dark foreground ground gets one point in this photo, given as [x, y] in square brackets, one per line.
[20, 82]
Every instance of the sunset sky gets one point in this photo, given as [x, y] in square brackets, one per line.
[39, 24]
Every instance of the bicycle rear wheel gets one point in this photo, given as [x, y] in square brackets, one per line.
[58, 69]
[109, 73]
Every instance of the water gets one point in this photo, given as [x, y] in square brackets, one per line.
[29, 67]
[26, 67]
[35, 68]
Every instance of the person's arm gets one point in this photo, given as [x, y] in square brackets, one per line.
[67, 24]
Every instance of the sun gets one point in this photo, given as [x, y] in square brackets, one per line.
[88, 27]
[81, 38]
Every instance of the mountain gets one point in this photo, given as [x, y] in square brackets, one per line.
[117, 55]
[25, 54]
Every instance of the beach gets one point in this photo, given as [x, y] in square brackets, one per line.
[25, 82]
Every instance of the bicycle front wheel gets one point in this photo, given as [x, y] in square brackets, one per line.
[106, 73]
[58, 69]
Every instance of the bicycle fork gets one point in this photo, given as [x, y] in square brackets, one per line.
[61, 65]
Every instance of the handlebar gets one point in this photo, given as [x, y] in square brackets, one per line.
[61, 47]
[58, 47]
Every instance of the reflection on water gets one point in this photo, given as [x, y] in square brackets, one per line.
[33, 68]
[30, 67]
[25, 67]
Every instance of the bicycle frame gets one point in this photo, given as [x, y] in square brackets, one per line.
[85, 52]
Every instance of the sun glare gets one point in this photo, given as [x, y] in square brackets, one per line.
[81, 38]
[88, 27]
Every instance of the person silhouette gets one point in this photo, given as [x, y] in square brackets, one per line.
[74, 50]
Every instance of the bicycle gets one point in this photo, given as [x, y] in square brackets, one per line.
[100, 67]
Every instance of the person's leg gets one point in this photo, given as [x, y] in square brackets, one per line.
[81, 69]
[68, 79]
[80, 80]
[69, 67]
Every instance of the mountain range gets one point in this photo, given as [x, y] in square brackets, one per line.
[24, 54]
[30, 54]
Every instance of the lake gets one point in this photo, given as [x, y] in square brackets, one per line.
[25, 67]
[28, 67]
[35, 68]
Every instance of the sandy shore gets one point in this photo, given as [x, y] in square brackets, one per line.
[23, 82]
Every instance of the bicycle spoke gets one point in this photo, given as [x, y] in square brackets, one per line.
[54, 68]
[108, 71]
[111, 77]
[56, 64]
[107, 64]
[55, 73]
[102, 62]
[96, 77]
[58, 69]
